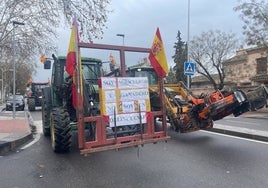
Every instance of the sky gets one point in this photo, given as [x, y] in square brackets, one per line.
[139, 19]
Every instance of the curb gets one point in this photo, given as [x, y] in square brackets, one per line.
[6, 147]
[9, 146]
[240, 134]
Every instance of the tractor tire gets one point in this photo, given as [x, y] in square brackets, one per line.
[31, 104]
[46, 110]
[60, 131]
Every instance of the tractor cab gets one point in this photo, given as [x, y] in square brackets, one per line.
[91, 70]
[143, 71]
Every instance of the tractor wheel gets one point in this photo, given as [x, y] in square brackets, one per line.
[31, 104]
[46, 110]
[60, 130]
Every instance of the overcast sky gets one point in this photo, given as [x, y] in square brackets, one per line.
[138, 20]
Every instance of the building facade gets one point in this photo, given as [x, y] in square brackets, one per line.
[247, 68]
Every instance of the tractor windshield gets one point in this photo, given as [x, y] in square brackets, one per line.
[152, 77]
[144, 72]
[91, 72]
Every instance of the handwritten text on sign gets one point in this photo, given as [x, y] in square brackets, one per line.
[127, 98]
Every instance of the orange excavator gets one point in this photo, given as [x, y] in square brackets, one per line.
[188, 112]
[205, 109]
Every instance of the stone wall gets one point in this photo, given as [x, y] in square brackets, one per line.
[242, 67]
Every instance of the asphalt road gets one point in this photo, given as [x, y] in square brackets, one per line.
[201, 159]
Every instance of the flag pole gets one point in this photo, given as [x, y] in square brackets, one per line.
[79, 89]
[163, 105]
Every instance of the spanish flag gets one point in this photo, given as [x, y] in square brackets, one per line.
[157, 56]
[71, 60]
[71, 56]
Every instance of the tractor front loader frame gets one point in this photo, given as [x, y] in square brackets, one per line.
[102, 141]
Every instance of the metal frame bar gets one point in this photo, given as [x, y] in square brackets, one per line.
[101, 142]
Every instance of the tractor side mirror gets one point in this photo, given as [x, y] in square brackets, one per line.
[47, 64]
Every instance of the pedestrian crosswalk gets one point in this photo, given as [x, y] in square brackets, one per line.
[9, 114]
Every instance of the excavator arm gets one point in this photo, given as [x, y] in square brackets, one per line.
[187, 112]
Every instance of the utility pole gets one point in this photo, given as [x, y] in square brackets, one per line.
[14, 67]
[188, 42]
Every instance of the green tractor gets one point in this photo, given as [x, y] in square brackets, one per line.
[34, 94]
[99, 109]
[59, 117]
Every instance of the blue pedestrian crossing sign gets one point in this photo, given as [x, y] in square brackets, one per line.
[189, 68]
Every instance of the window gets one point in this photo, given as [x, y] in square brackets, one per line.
[90, 72]
[151, 75]
[262, 65]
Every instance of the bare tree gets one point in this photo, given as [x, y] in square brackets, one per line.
[255, 17]
[41, 19]
[91, 14]
[208, 51]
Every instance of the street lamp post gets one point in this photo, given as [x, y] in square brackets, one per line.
[2, 89]
[14, 67]
[188, 43]
[123, 36]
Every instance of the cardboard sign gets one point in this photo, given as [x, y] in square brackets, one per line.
[127, 98]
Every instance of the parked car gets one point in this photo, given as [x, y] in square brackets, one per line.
[19, 102]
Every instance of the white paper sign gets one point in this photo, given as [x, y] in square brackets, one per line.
[133, 94]
[110, 107]
[128, 106]
[135, 82]
[109, 95]
[108, 82]
[127, 119]
[126, 98]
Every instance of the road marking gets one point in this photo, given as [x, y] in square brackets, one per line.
[37, 135]
[39, 131]
[236, 137]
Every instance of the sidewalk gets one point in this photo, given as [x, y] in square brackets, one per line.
[14, 132]
[245, 132]
[241, 132]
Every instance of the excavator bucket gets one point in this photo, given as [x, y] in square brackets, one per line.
[257, 98]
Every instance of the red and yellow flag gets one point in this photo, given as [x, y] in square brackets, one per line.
[72, 60]
[157, 56]
[71, 56]
[43, 58]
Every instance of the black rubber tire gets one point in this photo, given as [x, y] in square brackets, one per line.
[46, 110]
[60, 131]
[31, 104]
